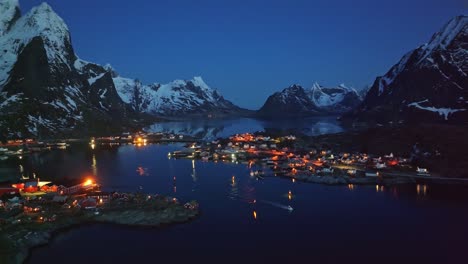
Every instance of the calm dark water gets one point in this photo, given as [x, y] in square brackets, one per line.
[329, 224]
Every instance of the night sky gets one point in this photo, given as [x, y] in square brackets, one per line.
[250, 49]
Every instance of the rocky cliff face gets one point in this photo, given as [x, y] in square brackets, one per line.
[429, 84]
[317, 100]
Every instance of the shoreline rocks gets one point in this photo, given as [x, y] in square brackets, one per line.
[18, 239]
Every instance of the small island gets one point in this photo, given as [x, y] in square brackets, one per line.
[31, 219]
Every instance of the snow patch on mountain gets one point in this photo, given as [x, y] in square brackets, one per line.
[442, 111]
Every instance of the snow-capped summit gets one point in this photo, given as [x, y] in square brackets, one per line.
[316, 100]
[42, 23]
[198, 81]
[428, 84]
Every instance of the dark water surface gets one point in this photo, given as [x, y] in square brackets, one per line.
[329, 224]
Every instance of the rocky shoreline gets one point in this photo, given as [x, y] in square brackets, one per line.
[18, 239]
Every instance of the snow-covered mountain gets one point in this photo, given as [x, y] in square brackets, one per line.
[179, 97]
[429, 83]
[46, 90]
[317, 100]
[41, 91]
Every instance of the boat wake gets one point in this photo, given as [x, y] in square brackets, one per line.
[282, 206]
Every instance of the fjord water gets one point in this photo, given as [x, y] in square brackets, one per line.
[329, 224]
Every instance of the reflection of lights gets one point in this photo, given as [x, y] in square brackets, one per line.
[255, 215]
[141, 171]
[293, 180]
[93, 146]
[351, 186]
[289, 195]
[20, 157]
[233, 180]
[379, 188]
[421, 190]
[193, 164]
[94, 165]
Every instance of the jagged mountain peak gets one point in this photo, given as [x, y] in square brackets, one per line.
[43, 18]
[315, 85]
[40, 21]
[316, 100]
[198, 81]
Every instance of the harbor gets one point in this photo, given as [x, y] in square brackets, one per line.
[288, 156]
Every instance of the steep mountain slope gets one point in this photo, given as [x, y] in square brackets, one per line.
[317, 100]
[429, 83]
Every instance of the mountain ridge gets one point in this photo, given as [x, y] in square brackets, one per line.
[317, 100]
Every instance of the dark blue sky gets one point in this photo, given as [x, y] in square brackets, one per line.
[249, 49]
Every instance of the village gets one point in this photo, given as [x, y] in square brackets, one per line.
[285, 156]
[31, 211]
[21, 147]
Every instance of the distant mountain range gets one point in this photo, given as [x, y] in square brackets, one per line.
[428, 84]
[47, 90]
[317, 100]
